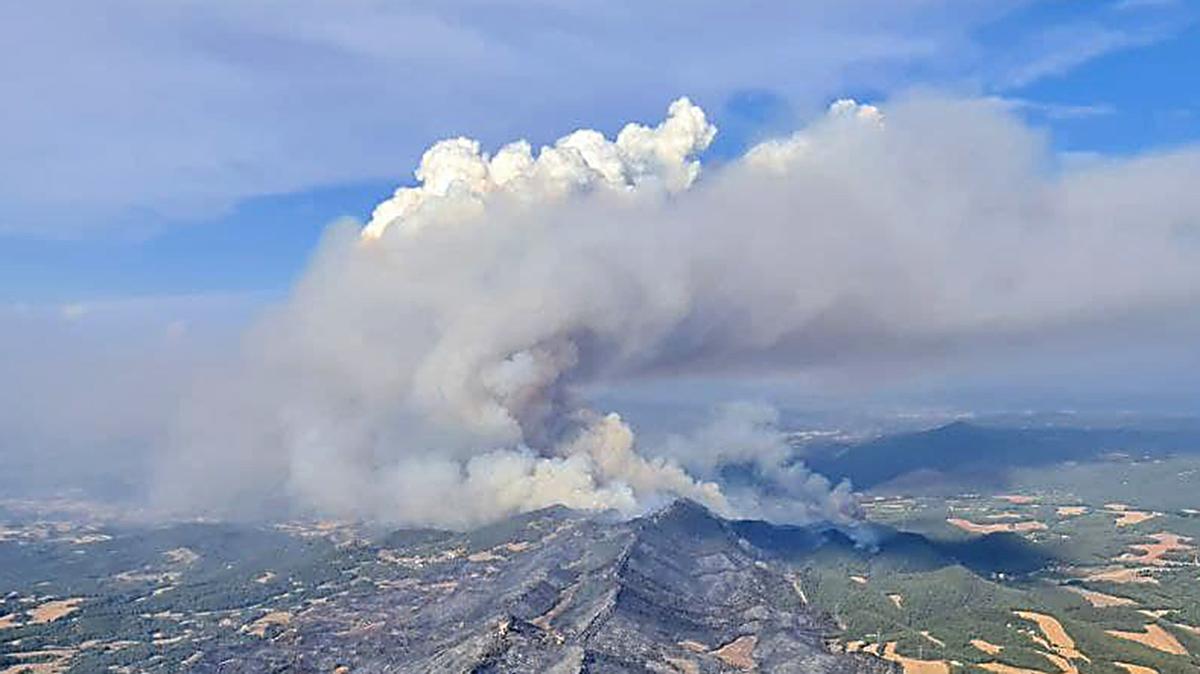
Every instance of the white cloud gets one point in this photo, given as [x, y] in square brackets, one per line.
[133, 112]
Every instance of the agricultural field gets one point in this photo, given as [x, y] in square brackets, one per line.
[1083, 567]
[90, 596]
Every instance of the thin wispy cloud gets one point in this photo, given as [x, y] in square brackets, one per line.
[1059, 50]
[1056, 110]
[1136, 5]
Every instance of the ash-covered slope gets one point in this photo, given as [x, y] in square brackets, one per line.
[557, 591]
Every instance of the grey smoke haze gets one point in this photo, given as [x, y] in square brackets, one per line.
[431, 368]
[89, 390]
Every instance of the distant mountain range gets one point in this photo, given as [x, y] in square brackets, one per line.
[981, 451]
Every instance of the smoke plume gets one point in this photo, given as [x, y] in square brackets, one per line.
[429, 367]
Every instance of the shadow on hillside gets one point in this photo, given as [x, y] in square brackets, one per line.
[904, 551]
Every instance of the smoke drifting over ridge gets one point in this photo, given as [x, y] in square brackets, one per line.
[427, 368]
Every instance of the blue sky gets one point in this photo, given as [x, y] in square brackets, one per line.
[198, 149]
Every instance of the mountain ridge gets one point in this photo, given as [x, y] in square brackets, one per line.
[675, 590]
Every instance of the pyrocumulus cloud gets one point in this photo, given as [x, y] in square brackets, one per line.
[428, 368]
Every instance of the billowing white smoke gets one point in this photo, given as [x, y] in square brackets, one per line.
[427, 368]
[455, 174]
